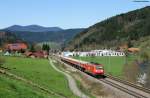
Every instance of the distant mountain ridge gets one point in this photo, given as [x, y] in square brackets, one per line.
[32, 28]
[36, 33]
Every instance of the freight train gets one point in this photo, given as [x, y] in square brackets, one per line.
[92, 68]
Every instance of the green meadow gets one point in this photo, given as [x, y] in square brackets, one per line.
[39, 71]
[112, 65]
[10, 88]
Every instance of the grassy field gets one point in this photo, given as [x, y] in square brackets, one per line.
[10, 88]
[112, 65]
[40, 72]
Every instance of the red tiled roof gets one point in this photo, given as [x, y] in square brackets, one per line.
[133, 49]
[16, 46]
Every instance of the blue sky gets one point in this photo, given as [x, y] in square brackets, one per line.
[62, 13]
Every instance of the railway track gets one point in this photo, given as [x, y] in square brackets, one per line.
[124, 89]
[125, 86]
[128, 83]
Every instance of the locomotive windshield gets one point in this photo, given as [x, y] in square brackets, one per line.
[99, 67]
[94, 63]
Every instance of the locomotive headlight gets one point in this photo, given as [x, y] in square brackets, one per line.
[101, 70]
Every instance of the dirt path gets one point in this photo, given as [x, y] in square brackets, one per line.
[71, 81]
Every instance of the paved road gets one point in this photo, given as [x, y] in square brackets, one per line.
[71, 81]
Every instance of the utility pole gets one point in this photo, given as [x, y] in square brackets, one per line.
[108, 54]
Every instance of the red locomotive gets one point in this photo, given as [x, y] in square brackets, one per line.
[92, 68]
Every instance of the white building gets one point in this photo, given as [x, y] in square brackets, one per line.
[95, 53]
[66, 54]
[108, 53]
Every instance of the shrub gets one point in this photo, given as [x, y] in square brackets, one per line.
[145, 56]
[1, 61]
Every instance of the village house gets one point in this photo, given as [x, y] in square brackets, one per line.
[16, 47]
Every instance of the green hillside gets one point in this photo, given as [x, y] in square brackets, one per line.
[115, 31]
[7, 37]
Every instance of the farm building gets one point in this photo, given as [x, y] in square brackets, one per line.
[67, 53]
[16, 46]
[38, 54]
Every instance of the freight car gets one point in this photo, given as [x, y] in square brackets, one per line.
[92, 68]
